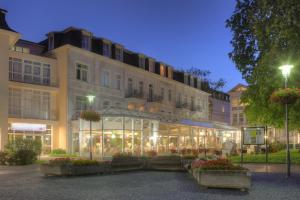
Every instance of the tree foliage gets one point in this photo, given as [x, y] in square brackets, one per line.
[204, 76]
[266, 34]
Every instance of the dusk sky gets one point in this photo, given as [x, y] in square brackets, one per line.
[182, 33]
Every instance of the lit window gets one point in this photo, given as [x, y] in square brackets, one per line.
[81, 72]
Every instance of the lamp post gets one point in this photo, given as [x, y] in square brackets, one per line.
[90, 100]
[286, 69]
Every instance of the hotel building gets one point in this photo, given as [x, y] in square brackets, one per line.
[144, 104]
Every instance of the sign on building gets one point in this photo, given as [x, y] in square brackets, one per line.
[253, 135]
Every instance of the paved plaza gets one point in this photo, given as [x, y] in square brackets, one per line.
[22, 183]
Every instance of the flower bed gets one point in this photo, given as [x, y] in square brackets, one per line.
[221, 173]
[70, 167]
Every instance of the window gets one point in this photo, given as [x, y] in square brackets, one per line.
[170, 95]
[29, 104]
[234, 119]
[151, 66]
[105, 104]
[85, 43]
[192, 102]
[185, 100]
[119, 54]
[241, 118]
[130, 86]
[142, 62]
[29, 71]
[150, 92]
[20, 49]
[51, 42]
[15, 69]
[118, 82]
[105, 79]
[162, 93]
[106, 49]
[81, 103]
[81, 72]
[141, 87]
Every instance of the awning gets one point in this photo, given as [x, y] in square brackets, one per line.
[193, 123]
[214, 125]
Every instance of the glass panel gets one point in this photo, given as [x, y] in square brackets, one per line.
[112, 142]
[112, 123]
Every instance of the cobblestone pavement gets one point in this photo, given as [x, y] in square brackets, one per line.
[272, 168]
[22, 183]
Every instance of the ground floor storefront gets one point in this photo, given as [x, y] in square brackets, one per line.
[32, 131]
[142, 136]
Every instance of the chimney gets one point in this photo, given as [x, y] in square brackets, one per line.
[3, 24]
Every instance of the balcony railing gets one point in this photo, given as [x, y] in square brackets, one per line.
[134, 94]
[154, 98]
[196, 108]
[31, 80]
[181, 105]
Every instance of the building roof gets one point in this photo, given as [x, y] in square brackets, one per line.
[3, 24]
[237, 86]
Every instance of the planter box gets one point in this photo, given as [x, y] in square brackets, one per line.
[237, 179]
[56, 170]
[74, 170]
[169, 163]
[127, 164]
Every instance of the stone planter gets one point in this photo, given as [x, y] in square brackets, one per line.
[56, 170]
[236, 179]
[74, 170]
[167, 163]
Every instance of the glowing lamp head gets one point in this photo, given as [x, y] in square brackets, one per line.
[90, 98]
[286, 70]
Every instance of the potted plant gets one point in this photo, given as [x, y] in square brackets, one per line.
[285, 96]
[221, 173]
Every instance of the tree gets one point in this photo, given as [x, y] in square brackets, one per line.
[266, 34]
[203, 75]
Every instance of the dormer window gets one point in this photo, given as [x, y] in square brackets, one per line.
[106, 49]
[85, 43]
[142, 62]
[151, 66]
[51, 42]
[162, 70]
[119, 53]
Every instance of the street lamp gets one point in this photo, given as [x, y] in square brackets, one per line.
[286, 70]
[90, 100]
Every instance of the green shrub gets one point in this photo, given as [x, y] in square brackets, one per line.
[20, 152]
[58, 151]
[60, 161]
[276, 146]
[24, 157]
[189, 156]
[83, 162]
[3, 158]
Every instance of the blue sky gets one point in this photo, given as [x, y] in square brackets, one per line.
[182, 33]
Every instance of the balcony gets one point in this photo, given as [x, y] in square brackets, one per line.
[196, 109]
[134, 95]
[154, 98]
[180, 105]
